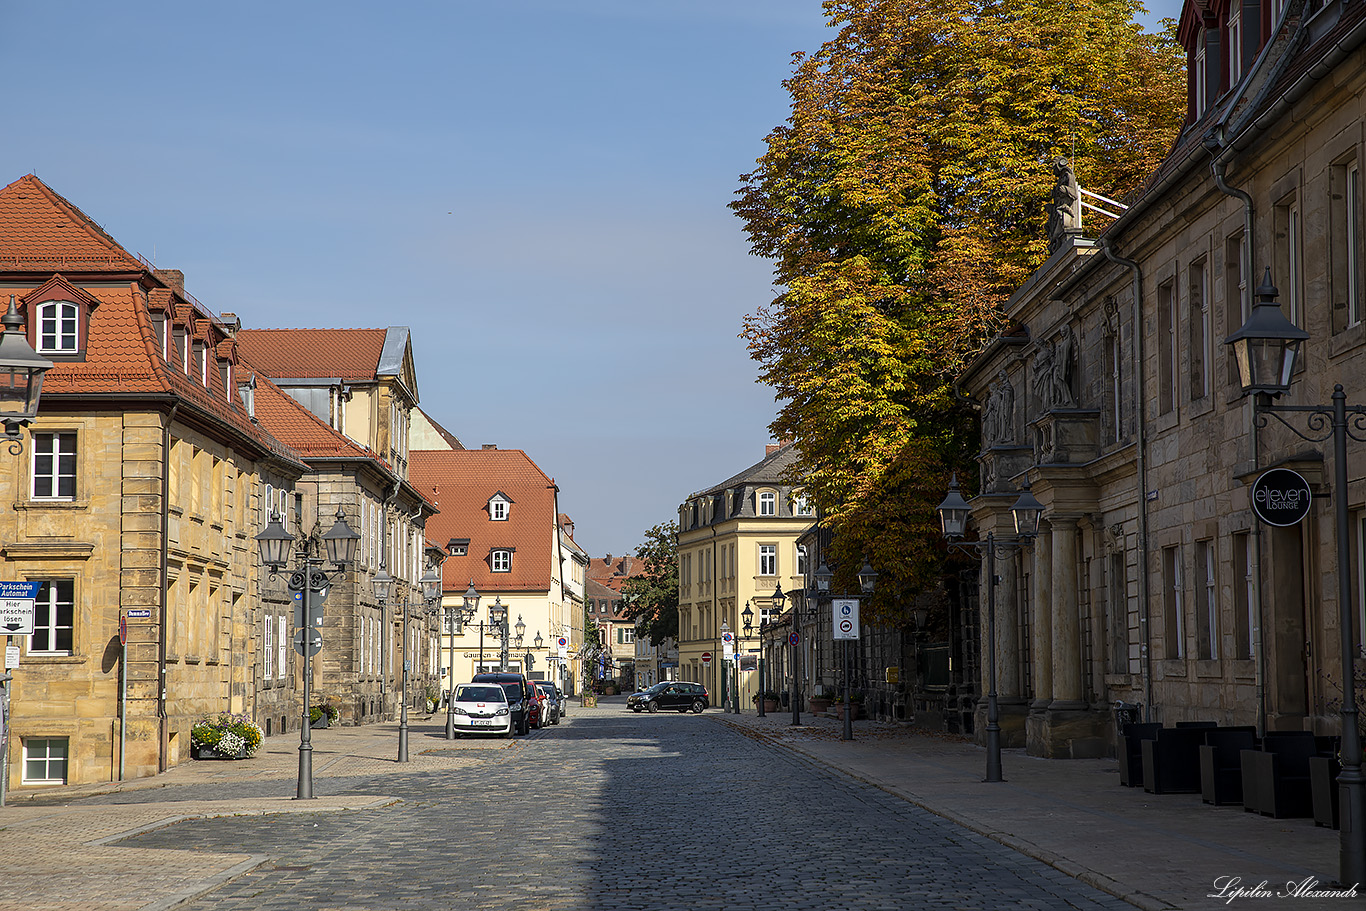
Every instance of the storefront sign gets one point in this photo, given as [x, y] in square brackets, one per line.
[1281, 497]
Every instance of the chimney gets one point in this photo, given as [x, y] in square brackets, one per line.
[230, 322]
[607, 559]
[771, 448]
[172, 278]
[489, 446]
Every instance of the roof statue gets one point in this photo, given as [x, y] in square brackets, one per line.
[1064, 212]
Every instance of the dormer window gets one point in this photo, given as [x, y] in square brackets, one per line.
[801, 506]
[500, 560]
[201, 363]
[58, 328]
[458, 547]
[160, 328]
[1235, 44]
[182, 346]
[225, 375]
[500, 504]
[1201, 78]
[768, 503]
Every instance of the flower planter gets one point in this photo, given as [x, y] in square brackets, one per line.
[202, 752]
[322, 722]
[770, 705]
[855, 709]
[819, 704]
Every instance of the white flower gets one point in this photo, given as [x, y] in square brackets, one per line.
[230, 744]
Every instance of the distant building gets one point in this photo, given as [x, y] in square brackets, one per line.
[499, 523]
[737, 543]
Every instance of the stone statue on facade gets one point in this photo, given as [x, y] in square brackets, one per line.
[1053, 372]
[1064, 212]
[998, 414]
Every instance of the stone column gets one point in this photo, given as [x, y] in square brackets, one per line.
[1007, 629]
[1042, 627]
[1067, 691]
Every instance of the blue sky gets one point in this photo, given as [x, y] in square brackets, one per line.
[537, 189]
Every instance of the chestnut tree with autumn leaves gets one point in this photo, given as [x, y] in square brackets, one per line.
[902, 202]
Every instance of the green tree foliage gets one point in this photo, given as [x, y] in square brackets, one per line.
[652, 597]
[902, 203]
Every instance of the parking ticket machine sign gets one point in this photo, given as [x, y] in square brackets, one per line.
[845, 618]
[16, 607]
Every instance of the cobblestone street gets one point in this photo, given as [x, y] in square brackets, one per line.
[611, 810]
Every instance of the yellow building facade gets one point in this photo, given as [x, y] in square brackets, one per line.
[737, 543]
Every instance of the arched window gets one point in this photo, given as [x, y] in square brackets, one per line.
[58, 328]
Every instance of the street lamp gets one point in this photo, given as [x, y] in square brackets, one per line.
[1264, 349]
[382, 584]
[498, 619]
[21, 378]
[309, 581]
[747, 618]
[953, 516]
[454, 619]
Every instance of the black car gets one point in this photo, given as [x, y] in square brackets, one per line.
[670, 694]
[520, 696]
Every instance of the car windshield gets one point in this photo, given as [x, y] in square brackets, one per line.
[546, 690]
[479, 694]
[657, 688]
[514, 691]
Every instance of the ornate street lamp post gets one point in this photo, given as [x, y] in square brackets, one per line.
[747, 618]
[1264, 349]
[953, 516]
[310, 582]
[498, 619]
[454, 623]
[382, 584]
[21, 378]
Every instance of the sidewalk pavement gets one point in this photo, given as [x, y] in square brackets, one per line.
[61, 857]
[1154, 851]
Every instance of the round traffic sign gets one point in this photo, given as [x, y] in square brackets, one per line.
[846, 626]
[314, 640]
[793, 638]
[706, 657]
[562, 642]
[123, 631]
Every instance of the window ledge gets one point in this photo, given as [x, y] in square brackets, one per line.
[82, 503]
[1347, 340]
[46, 658]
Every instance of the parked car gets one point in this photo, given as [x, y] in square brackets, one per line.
[482, 708]
[537, 706]
[521, 695]
[670, 694]
[554, 702]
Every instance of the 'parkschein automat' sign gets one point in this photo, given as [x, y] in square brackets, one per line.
[1281, 497]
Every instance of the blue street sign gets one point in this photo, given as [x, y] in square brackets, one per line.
[19, 589]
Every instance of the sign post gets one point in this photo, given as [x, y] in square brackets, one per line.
[845, 624]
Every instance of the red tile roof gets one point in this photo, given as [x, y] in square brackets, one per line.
[40, 231]
[351, 355]
[311, 437]
[122, 354]
[461, 481]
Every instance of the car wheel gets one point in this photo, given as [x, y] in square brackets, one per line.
[654, 706]
[507, 735]
[697, 706]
